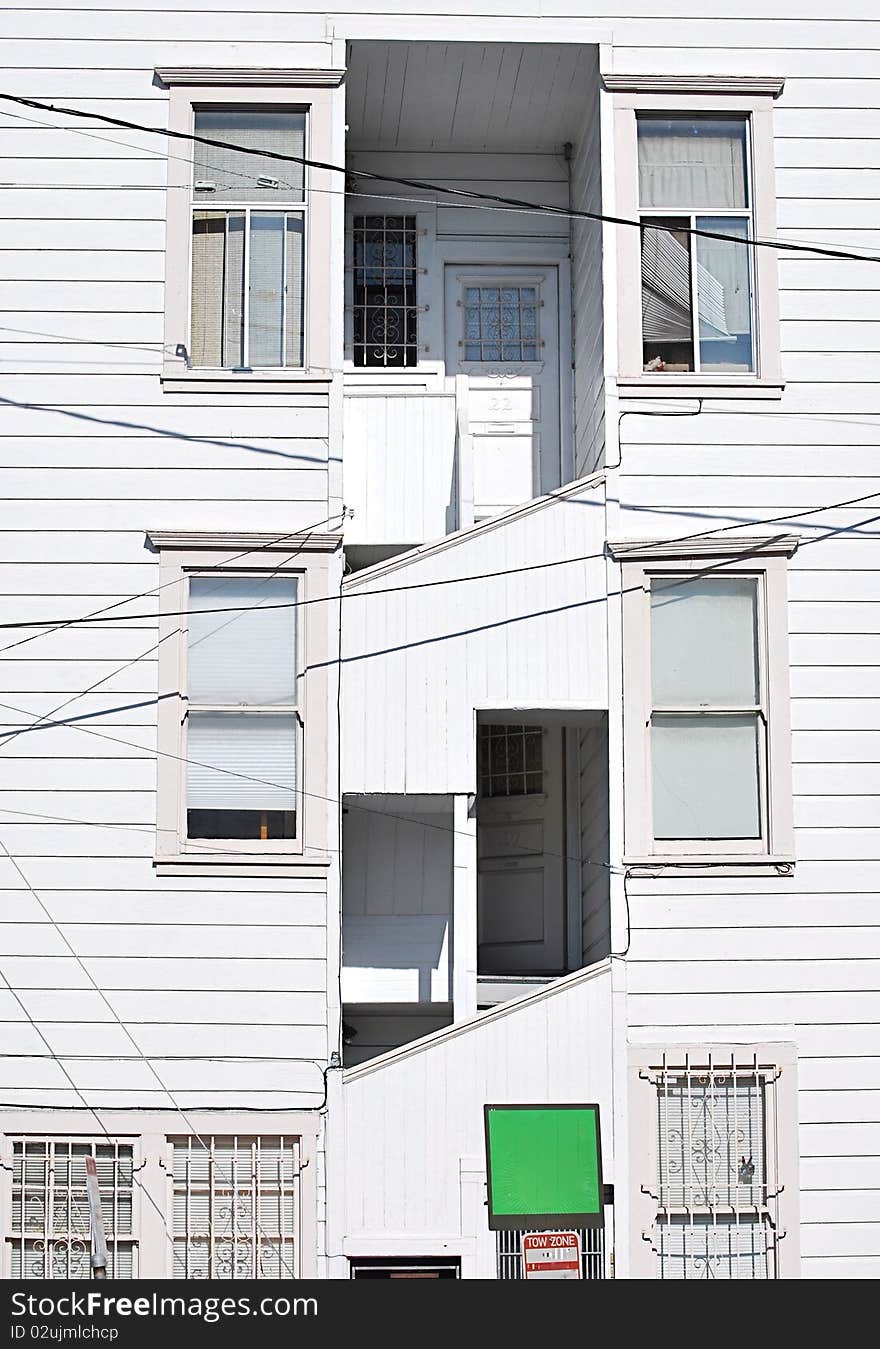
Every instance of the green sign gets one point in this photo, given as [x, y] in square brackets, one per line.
[543, 1166]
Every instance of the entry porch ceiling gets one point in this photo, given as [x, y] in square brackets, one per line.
[466, 96]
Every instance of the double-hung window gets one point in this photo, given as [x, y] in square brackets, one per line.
[697, 298]
[248, 232]
[243, 716]
[252, 227]
[245, 699]
[697, 291]
[706, 704]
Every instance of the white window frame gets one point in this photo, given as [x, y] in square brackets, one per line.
[748, 98]
[153, 1190]
[314, 561]
[776, 1064]
[765, 560]
[319, 95]
[429, 364]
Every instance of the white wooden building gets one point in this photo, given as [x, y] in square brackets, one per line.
[441, 636]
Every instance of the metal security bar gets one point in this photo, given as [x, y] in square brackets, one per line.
[511, 760]
[49, 1235]
[715, 1205]
[236, 1207]
[509, 1261]
[385, 312]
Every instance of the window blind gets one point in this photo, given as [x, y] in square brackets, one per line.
[239, 176]
[245, 657]
[241, 761]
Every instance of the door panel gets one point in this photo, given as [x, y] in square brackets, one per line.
[502, 334]
[520, 847]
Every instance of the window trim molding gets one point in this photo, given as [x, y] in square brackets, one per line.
[752, 85]
[315, 568]
[643, 1142]
[319, 103]
[253, 76]
[776, 848]
[687, 97]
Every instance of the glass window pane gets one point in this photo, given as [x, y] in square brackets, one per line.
[705, 777]
[237, 761]
[293, 295]
[248, 655]
[266, 287]
[217, 289]
[235, 175]
[704, 645]
[725, 296]
[693, 162]
[667, 318]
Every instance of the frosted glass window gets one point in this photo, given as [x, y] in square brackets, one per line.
[247, 264]
[246, 656]
[241, 761]
[704, 648]
[705, 777]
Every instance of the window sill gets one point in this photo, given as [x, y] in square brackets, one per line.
[242, 864]
[698, 386]
[729, 864]
[231, 382]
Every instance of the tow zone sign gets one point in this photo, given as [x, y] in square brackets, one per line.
[551, 1255]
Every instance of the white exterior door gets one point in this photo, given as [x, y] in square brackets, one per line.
[520, 847]
[502, 335]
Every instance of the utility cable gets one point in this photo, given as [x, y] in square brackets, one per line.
[422, 185]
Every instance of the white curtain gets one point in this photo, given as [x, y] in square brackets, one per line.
[692, 165]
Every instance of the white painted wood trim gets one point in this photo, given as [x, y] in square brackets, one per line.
[232, 543]
[464, 911]
[729, 545]
[328, 78]
[752, 85]
[599, 970]
[471, 531]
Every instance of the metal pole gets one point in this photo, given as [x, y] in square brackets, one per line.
[96, 1221]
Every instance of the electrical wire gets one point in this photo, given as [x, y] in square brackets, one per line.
[465, 194]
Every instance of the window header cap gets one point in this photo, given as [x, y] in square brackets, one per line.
[258, 543]
[756, 85]
[256, 75]
[636, 550]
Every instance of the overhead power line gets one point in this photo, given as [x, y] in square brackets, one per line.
[423, 185]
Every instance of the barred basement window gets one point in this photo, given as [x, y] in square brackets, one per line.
[511, 760]
[236, 1208]
[713, 1197]
[49, 1231]
[385, 310]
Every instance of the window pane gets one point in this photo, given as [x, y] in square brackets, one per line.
[248, 655]
[724, 1246]
[235, 175]
[667, 311]
[241, 762]
[725, 296]
[704, 641]
[693, 162]
[293, 296]
[217, 289]
[385, 317]
[705, 776]
[266, 287]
